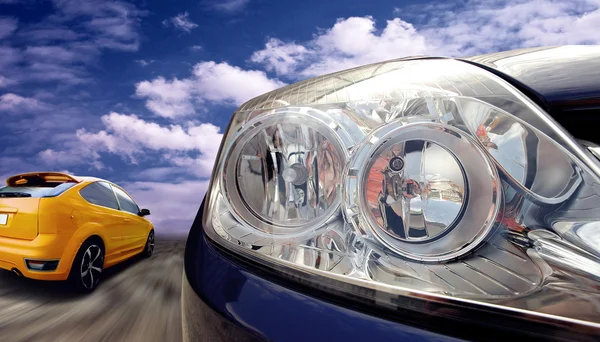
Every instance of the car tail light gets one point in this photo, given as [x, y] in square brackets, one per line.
[430, 179]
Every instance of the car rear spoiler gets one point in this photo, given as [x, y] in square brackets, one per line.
[38, 178]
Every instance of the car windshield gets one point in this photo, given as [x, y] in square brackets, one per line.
[35, 191]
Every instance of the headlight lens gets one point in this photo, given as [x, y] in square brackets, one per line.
[283, 172]
[425, 190]
[421, 178]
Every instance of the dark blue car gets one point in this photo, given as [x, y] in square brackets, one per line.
[415, 199]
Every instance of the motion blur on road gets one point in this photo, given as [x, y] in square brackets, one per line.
[138, 300]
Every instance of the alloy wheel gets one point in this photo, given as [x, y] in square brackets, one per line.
[91, 266]
[150, 244]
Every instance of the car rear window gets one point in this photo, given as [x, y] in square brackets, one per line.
[35, 191]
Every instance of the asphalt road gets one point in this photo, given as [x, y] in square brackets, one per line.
[138, 300]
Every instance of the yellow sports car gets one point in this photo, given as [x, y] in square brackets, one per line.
[54, 226]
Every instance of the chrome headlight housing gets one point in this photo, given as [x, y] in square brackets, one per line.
[427, 178]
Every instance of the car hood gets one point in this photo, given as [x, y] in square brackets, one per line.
[566, 79]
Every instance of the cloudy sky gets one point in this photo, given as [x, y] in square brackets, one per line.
[139, 93]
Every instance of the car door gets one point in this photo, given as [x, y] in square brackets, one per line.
[103, 208]
[135, 226]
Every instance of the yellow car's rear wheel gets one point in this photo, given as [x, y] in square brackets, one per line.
[87, 267]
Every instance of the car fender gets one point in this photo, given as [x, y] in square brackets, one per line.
[79, 236]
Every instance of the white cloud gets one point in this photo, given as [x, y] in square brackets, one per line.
[168, 99]
[131, 130]
[210, 82]
[229, 6]
[157, 173]
[8, 57]
[45, 33]
[562, 30]
[7, 27]
[54, 71]
[188, 149]
[455, 29]
[129, 136]
[114, 24]
[181, 22]
[144, 62]
[196, 47]
[483, 27]
[221, 82]
[57, 54]
[4, 82]
[10, 102]
[62, 45]
[198, 166]
[350, 42]
[74, 156]
[280, 57]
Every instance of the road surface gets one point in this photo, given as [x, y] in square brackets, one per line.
[136, 301]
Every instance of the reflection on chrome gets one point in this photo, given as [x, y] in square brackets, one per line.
[496, 270]
[564, 255]
[422, 199]
[288, 173]
[284, 174]
[586, 234]
[422, 211]
[527, 156]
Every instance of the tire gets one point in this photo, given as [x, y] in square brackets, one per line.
[87, 267]
[149, 247]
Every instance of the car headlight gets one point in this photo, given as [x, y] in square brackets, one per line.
[431, 179]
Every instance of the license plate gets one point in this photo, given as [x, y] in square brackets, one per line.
[3, 219]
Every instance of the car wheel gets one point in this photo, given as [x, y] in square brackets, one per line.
[149, 248]
[87, 267]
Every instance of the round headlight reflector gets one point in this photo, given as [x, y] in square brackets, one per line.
[425, 190]
[283, 172]
[421, 201]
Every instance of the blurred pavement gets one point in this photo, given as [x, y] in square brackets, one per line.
[138, 300]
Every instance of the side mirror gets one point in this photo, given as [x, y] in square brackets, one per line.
[144, 212]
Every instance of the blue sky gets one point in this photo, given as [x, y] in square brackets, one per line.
[140, 92]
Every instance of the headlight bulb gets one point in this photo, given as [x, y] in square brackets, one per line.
[425, 190]
[283, 174]
[422, 194]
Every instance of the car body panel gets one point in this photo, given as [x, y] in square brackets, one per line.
[45, 246]
[62, 223]
[55, 212]
[111, 223]
[134, 228]
[224, 301]
[21, 218]
[135, 234]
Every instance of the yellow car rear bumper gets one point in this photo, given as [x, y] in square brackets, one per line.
[13, 253]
